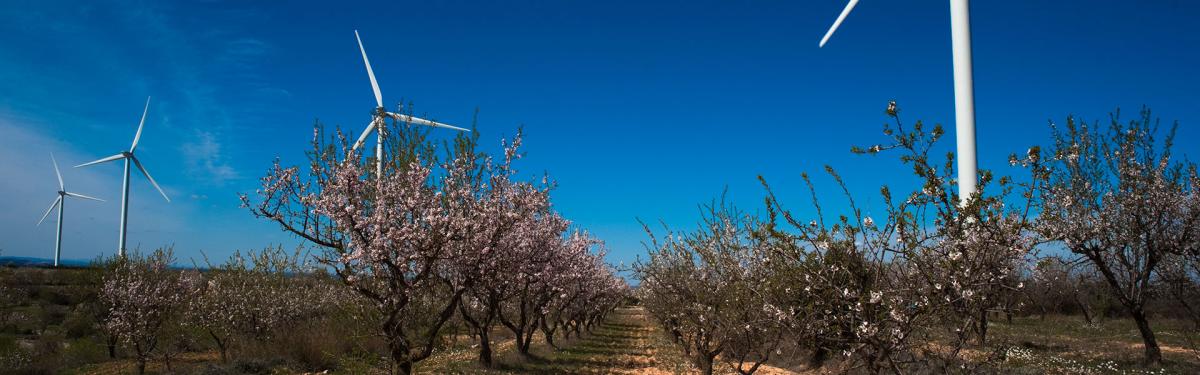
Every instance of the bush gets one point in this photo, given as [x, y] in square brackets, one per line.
[81, 352]
[79, 323]
[258, 366]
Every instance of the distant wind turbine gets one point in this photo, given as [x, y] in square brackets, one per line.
[964, 91]
[128, 156]
[377, 120]
[59, 202]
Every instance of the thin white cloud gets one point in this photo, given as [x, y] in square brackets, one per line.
[205, 160]
[90, 228]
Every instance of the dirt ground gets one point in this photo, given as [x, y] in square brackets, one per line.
[627, 343]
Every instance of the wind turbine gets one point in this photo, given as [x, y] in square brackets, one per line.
[60, 202]
[964, 91]
[128, 156]
[377, 120]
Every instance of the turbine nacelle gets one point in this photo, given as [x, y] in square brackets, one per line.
[381, 113]
[62, 193]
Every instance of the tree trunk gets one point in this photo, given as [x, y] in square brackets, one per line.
[482, 328]
[404, 368]
[818, 357]
[518, 331]
[753, 367]
[220, 346]
[518, 336]
[142, 357]
[705, 362]
[983, 327]
[485, 347]
[400, 353]
[548, 332]
[529, 341]
[1087, 313]
[1153, 354]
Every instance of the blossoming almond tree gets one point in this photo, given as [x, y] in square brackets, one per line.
[256, 295]
[1116, 198]
[582, 288]
[502, 222]
[968, 252]
[415, 240]
[866, 288]
[837, 289]
[547, 254]
[388, 238]
[145, 298]
[704, 286]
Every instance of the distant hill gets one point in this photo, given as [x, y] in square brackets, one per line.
[32, 262]
[41, 262]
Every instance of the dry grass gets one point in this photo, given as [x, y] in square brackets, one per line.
[184, 363]
[1065, 345]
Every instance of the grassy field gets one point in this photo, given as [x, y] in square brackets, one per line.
[1064, 344]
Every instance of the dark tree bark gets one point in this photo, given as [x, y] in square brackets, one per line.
[1153, 353]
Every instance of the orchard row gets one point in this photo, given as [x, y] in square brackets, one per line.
[446, 240]
[912, 289]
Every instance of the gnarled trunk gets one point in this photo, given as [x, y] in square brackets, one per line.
[548, 332]
[1153, 353]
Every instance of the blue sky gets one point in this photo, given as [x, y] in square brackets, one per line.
[639, 109]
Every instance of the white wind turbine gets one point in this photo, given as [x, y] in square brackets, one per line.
[60, 202]
[128, 156]
[377, 121]
[964, 91]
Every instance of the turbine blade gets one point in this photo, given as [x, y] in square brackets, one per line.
[56, 172]
[841, 17]
[52, 206]
[77, 195]
[110, 158]
[138, 136]
[147, 174]
[421, 121]
[363, 138]
[370, 73]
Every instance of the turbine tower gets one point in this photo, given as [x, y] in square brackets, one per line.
[60, 202]
[964, 91]
[377, 121]
[128, 156]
